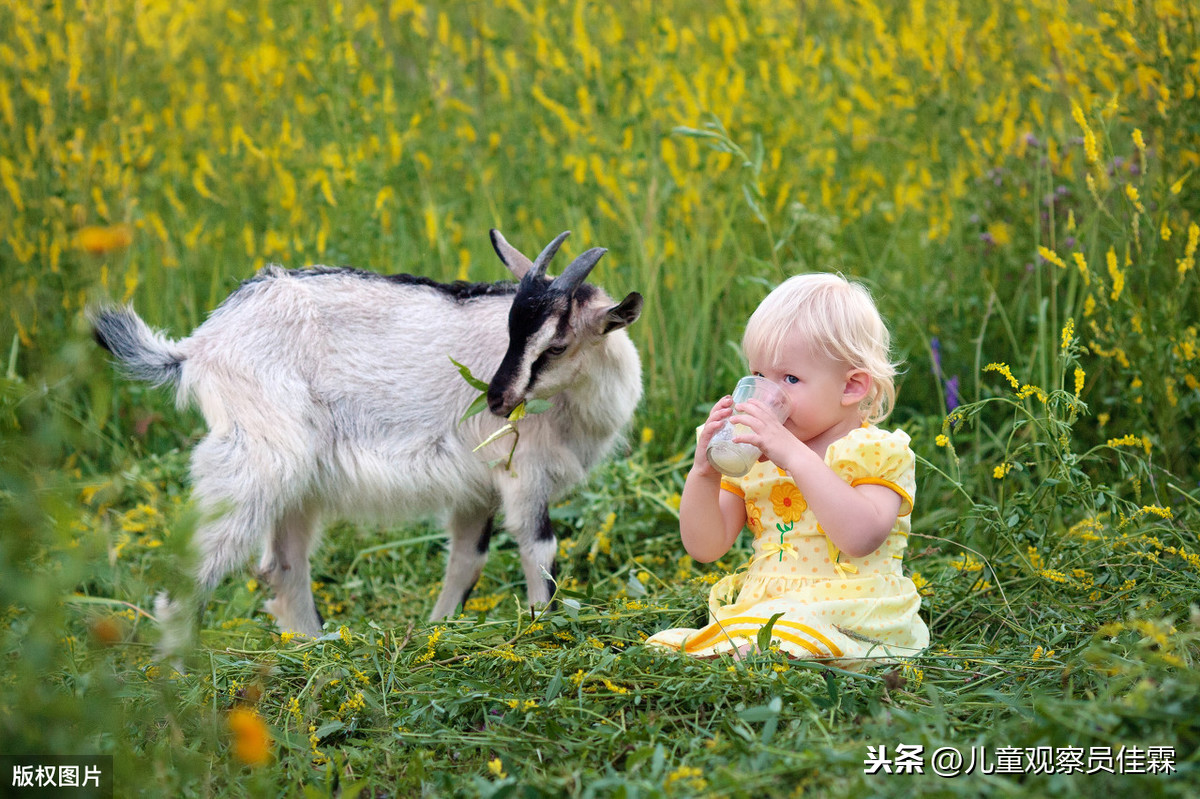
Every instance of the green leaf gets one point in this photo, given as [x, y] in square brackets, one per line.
[764, 635]
[538, 406]
[518, 413]
[635, 587]
[501, 433]
[475, 408]
[765, 712]
[758, 214]
[465, 371]
[325, 730]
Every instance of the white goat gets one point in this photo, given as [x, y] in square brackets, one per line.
[329, 392]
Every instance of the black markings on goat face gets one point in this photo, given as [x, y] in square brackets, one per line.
[539, 329]
[537, 322]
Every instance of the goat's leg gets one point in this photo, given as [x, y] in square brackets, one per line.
[527, 519]
[470, 534]
[285, 567]
[223, 542]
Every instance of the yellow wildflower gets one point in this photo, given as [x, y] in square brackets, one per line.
[1052, 257]
[689, 774]
[1068, 334]
[1118, 277]
[1003, 369]
[1139, 142]
[921, 584]
[1189, 251]
[967, 563]
[483, 604]
[1081, 263]
[999, 233]
[1132, 193]
[97, 240]
[497, 768]
[1089, 138]
[251, 738]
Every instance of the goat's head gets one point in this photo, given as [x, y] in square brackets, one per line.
[551, 323]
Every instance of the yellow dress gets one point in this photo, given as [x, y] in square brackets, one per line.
[850, 610]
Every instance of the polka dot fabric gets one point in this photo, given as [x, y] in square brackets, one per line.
[851, 611]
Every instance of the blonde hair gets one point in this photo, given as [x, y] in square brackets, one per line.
[836, 318]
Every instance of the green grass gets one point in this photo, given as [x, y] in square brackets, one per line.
[161, 154]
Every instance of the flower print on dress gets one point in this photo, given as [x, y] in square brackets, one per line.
[789, 504]
[780, 547]
[754, 518]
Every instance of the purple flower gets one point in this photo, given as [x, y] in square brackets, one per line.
[953, 399]
[949, 385]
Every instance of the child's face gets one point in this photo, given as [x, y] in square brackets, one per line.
[821, 392]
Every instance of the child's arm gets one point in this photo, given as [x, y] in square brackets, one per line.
[709, 518]
[857, 519]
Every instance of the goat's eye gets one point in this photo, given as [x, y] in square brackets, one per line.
[554, 352]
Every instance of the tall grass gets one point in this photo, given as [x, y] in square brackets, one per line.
[1016, 183]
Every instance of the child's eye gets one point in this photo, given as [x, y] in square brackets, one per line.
[791, 379]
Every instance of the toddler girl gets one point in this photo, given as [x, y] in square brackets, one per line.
[829, 501]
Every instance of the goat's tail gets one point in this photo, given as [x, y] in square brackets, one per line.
[145, 354]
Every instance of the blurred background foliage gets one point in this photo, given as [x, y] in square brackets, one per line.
[1015, 182]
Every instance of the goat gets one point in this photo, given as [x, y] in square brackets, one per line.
[330, 392]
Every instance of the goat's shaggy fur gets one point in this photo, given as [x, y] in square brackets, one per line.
[331, 393]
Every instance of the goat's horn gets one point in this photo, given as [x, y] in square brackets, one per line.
[577, 272]
[510, 256]
[543, 260]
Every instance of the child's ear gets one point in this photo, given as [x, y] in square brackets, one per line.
[858, 385]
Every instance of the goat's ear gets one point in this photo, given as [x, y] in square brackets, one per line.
[624, 313]
[510, 256]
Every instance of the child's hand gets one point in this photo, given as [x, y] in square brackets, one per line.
[716, 417]
[765, 431]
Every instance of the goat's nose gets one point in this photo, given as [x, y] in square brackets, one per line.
[495, 403]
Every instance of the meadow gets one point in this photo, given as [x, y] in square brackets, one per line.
[1016, 182]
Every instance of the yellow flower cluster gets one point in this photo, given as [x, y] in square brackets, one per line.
[921, 584]
[482, 604]
[966, 563]
[1185, 264]
[1068, 335]
[689, 776]
[352, 705]
[1005, 372]
[1131, 440]
[521, 704]
[430, 645]
[1052, 257]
